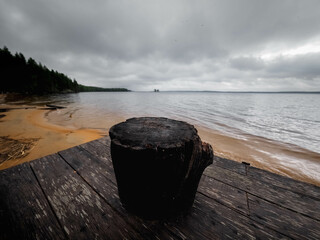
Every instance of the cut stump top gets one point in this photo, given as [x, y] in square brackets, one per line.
[153, 132]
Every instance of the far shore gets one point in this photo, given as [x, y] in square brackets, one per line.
[27, 134]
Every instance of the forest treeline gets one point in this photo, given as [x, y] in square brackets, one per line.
[27, 76]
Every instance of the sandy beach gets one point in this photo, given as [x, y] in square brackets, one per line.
[28, 133]
[277, 157]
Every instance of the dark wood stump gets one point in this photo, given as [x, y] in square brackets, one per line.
[158, 163]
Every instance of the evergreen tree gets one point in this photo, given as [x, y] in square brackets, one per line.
[27, 76]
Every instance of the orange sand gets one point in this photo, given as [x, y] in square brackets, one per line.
[284, 159]
[31, 123]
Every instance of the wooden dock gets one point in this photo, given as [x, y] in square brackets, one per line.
[73, 195]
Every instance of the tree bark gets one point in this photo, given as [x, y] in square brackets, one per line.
[158, 163]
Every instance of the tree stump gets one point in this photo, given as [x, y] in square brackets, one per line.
[158, 163]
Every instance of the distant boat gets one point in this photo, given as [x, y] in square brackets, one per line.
[156, 90]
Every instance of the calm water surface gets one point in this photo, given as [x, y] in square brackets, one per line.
[289, 118]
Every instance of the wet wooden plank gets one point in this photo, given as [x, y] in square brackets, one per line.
[227, 195]
[101, 151]
[284, 182]
[210, 220]
[97, 174]
[24, 210]
[104, 140]
[81, 188]
[99, 156]
[81, 211]
[94, 172]
[283, 220]
[100, 148]
[229, 164]
[283, 197]
[196, 225]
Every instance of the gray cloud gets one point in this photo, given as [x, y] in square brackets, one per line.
[302, 66]
[247, 63]
[171, 45]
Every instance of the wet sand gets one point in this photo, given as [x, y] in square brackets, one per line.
[281, 158]
[43, 132]
[42, 137]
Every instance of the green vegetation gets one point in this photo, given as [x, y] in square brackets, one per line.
[27, 76]
[98, 89]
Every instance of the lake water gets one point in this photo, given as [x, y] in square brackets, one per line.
[289, 118]
[292, 120]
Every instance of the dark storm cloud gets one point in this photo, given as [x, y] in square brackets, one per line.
[182, 45]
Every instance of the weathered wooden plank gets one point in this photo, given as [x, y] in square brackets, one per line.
[196, 225]
[219, 212]
[268, 177]
[105, 151]
[210, 220]
[96, 173]
[81, 211]
[283, 197]
[101, 151]
[100, 156]
[284, 182]
[220, 192]
[24, 210]
[229, 164]
[224, 194]
[283, 220]
[104, 140]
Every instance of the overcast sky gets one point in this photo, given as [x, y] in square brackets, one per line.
[171, 45]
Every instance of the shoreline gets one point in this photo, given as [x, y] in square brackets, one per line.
[277, 157]
[43, 133]
[31, 125]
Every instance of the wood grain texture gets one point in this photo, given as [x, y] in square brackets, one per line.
[227, 195]
[283, 220]
[97, 175]
[229, 165]
[24, 210]
[82, 213]
[211, 220]
[300, 203]
[284, 182]
[267, 177]
[74, 195]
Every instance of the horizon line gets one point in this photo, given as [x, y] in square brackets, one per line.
[314, 92]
